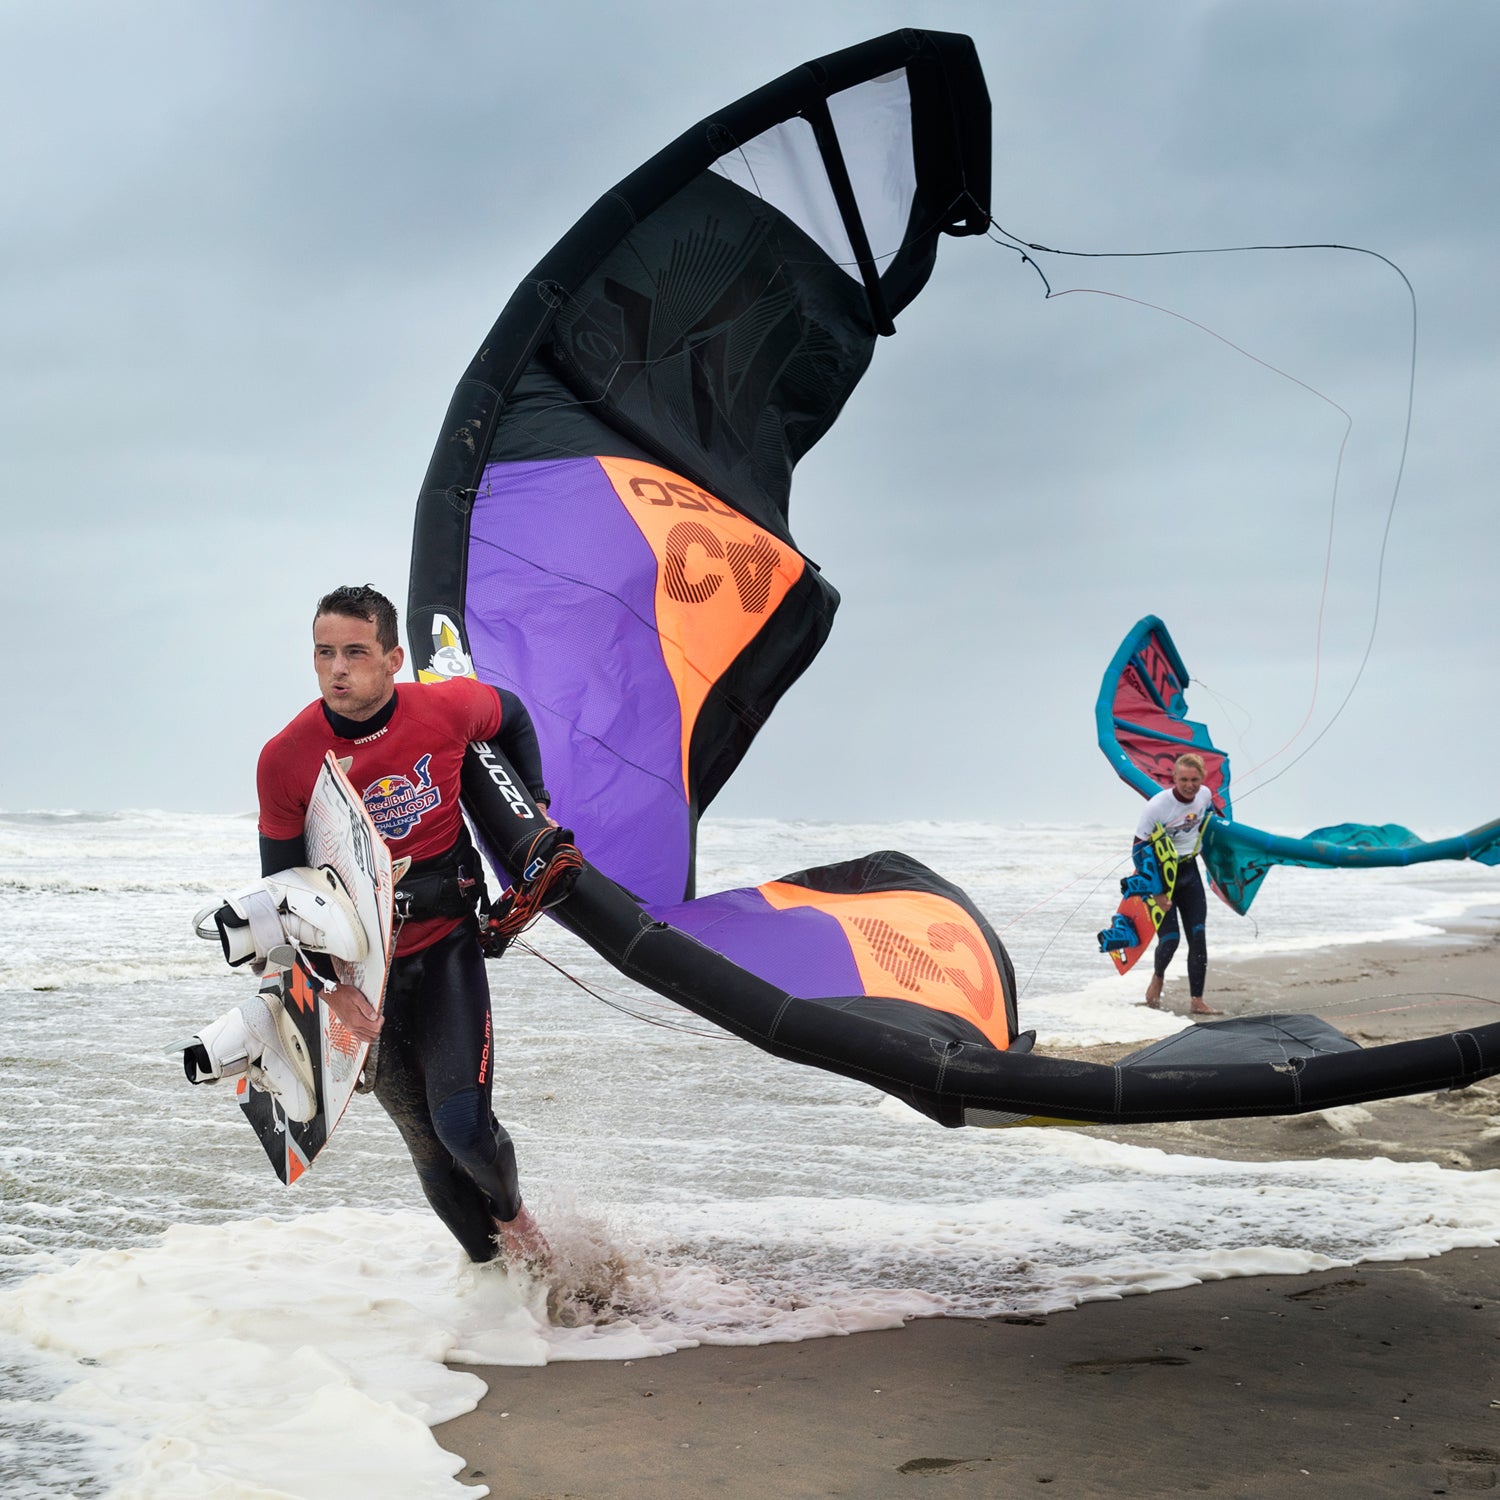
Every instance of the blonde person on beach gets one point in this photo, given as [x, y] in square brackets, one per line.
[1183, 810]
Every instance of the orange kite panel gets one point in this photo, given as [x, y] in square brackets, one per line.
[914, 947]
[718, 577]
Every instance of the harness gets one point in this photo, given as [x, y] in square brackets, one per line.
[447, 885]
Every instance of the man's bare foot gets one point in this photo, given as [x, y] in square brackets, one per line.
[522, 1241]
[1153, 992]
[1198, 1008]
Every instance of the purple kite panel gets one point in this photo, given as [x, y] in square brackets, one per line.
[560, 608]
[799, 950]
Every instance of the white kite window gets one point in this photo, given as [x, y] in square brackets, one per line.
[784, 167]
[873, 121]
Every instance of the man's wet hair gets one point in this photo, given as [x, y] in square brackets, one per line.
[361, 602]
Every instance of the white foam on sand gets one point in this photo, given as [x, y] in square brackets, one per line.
[1108, 1009]
[311, 1356]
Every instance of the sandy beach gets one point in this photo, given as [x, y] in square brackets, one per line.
[1372, 1380]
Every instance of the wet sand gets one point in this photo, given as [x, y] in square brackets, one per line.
[1376, 1380]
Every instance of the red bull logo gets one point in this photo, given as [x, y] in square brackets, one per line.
[396, 804]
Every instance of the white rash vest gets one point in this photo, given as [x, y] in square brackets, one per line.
[1184, 821]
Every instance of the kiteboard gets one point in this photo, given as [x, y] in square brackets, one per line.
[339, 834]
[1144, 894]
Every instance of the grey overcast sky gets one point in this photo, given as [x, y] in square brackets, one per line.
[250, 247]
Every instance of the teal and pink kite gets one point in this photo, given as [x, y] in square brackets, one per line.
[1142, 723]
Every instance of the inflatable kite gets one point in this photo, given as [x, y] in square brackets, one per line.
[1142, 723]
[605, 530]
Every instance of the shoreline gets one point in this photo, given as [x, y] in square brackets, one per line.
[1380, 1379]
[1370, 1381]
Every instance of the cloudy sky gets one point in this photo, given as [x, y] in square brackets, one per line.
[250, 248]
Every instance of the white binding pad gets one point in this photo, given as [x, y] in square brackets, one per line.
[307, 1063]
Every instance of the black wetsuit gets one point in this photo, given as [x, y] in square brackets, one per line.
[434, 1071]
[1190, 909]
[434, 1078]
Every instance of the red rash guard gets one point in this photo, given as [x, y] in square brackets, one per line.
[407, 773]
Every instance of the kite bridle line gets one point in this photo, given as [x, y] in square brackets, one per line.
[1003, 237]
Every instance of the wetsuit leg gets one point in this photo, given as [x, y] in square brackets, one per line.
[1167, 938]
[434, 1080]
[1193, 900]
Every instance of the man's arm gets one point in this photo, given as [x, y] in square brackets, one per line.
[281, 854]
[281, 811]
[516, 741]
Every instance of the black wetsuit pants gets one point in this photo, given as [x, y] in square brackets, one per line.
[433, 1078]
[1190, 904]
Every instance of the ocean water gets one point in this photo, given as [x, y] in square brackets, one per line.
[174, 1322]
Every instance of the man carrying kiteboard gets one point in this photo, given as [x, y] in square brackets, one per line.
[405, 743]
[1183, 810]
